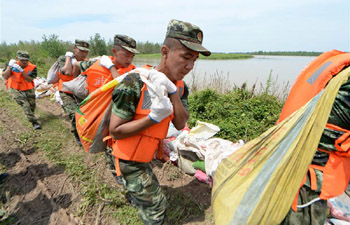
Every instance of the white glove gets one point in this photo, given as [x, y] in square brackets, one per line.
[106, 62]
[17, 67]
[160, 109]
[69, 54]
[158, 79]
[12, 62]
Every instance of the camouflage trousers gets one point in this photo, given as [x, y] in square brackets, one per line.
[69, 106]
[143, 191]
[26, 99]
[110, 160]
[315, 214]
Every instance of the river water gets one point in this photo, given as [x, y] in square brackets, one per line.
[284, 70]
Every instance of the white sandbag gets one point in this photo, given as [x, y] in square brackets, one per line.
[77, 86]
[52, 75]
[218, 149]
[340, 207]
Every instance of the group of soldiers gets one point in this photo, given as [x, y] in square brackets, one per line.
[140, 115]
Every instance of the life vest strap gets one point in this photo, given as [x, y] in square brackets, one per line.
[342, 144]
[117, 167]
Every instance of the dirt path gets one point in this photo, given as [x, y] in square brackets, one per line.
[39, 192]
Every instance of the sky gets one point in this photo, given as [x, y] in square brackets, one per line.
[228, 25]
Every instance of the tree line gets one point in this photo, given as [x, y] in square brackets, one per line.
[286, 53]
[45, 52]
[52, 47]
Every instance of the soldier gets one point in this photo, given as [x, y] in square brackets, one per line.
[124, 50]
[66, 73]
[137, 124]
[19, 76]
[107, 68]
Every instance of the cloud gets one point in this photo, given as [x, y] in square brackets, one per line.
[228, 25]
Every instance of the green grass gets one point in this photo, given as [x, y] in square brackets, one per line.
[51, 140]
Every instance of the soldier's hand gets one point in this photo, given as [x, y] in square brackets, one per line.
[160, 109]
[69, 54]
[17, 67]
[106, 62]
[158, 79]
[12, 62]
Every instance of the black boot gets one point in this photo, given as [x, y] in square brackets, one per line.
[3, 176]
[36, 126]
[119, 179]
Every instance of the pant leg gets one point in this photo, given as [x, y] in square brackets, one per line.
[69, 106]
[144, 191]
[314, 214]
[110, 159]
[26, 99]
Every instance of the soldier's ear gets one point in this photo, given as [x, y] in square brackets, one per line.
[114, 51]
[165, 51]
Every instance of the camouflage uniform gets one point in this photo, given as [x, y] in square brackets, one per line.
[25, 98]
[317, 212]
[71, 102]
[141, 184]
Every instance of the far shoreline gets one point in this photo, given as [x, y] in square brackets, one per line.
[234, 56]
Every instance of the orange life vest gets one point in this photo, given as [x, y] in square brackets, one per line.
[17, 81]
[141, 147]
[64, 78]
[98, 75]
[336, 172]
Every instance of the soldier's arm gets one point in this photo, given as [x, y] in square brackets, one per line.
[67, 69]
[114, 72]
[181, 115]
[76, 69]
[6, 73]
[31, 75]
[181, 109]
[120, 128]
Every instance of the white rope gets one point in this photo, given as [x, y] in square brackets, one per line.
[309, 203]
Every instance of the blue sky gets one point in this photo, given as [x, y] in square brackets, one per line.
[228, 25]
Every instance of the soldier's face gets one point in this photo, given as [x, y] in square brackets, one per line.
[23, 63]
[79, 54]
[180, 61]
[122, 58]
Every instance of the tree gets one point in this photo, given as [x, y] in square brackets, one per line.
[52, 46]
[97, 45]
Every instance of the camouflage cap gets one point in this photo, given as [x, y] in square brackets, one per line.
[22, 55]
[188, 34]
[126, 42]
[82, 45]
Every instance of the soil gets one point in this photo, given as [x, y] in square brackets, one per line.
[39, 192]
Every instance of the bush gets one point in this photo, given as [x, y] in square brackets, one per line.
[238, 114]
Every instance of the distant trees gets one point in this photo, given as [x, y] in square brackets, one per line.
[98, 45]
[51, 47]
[289, 53]
[148, 47]
[44, 53]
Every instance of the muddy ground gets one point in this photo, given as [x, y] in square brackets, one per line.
[41, 193]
